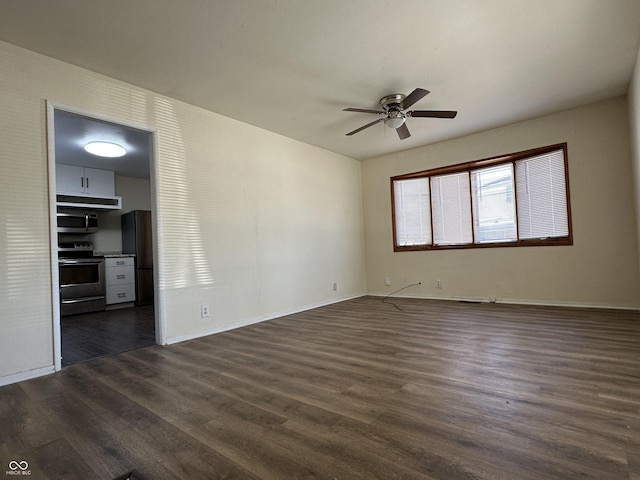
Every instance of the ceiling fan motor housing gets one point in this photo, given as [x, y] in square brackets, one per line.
[392, 102]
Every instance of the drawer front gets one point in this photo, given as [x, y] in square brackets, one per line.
[119, 261]
[120, 275]
[121, 293]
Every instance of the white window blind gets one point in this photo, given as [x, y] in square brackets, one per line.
[451, 209]
[542, 198]
[412, 212]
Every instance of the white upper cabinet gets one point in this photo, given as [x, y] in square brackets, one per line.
[74, 180]
[99, 182]
[84, 187]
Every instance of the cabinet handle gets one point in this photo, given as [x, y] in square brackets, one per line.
[87, 182]
[120, 277]
[122, 295]
[82, 182]
[119, 262]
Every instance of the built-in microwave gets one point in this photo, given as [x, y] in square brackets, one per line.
[81, 221]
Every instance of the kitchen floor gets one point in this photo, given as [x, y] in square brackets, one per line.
[99, 334]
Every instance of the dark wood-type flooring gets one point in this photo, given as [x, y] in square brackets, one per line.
[357, 390]
[98, 334]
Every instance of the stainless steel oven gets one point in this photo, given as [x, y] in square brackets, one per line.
[82, 285]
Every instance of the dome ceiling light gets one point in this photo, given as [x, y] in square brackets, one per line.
[105, 149]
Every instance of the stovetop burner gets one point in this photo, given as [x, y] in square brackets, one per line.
[75, 249]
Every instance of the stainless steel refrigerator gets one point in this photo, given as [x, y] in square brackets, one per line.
[137, 239]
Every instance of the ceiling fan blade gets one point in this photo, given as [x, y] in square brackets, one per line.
[403, 131]
[413, 97]
[432, 113]
[366, 126]
[361, 110]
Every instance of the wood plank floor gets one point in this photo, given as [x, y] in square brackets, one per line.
[355, 390]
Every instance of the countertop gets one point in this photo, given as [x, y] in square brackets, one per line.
[113, 254]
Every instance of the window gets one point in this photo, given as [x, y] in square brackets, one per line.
[412, 212]
[519, 199]
[494, 212]
[451, 209]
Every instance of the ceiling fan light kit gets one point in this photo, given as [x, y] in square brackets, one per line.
[394, 110]
[394, 120]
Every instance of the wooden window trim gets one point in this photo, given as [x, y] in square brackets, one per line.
[478, 164]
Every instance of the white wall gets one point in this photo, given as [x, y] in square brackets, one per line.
[252, 223]
[600, 269]
[634, 128]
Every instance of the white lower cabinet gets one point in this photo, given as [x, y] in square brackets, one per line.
[120, 280]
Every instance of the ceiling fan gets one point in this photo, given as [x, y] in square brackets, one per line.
[394, 112]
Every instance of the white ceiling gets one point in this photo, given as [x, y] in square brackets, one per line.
[291, 66]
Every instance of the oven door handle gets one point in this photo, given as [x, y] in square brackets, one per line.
[80, 262]
[81, 300]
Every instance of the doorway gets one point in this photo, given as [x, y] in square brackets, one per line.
[112, 188]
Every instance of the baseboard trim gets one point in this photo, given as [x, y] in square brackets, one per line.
[514, 301]
[27, 375]
[254, 320]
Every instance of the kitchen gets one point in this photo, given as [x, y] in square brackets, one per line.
[104, 234]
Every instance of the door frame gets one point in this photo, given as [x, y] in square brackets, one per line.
[159, 310]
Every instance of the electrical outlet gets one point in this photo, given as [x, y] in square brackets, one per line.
[204, 310]
[335, 287]
[438, 283]
[387, 281]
